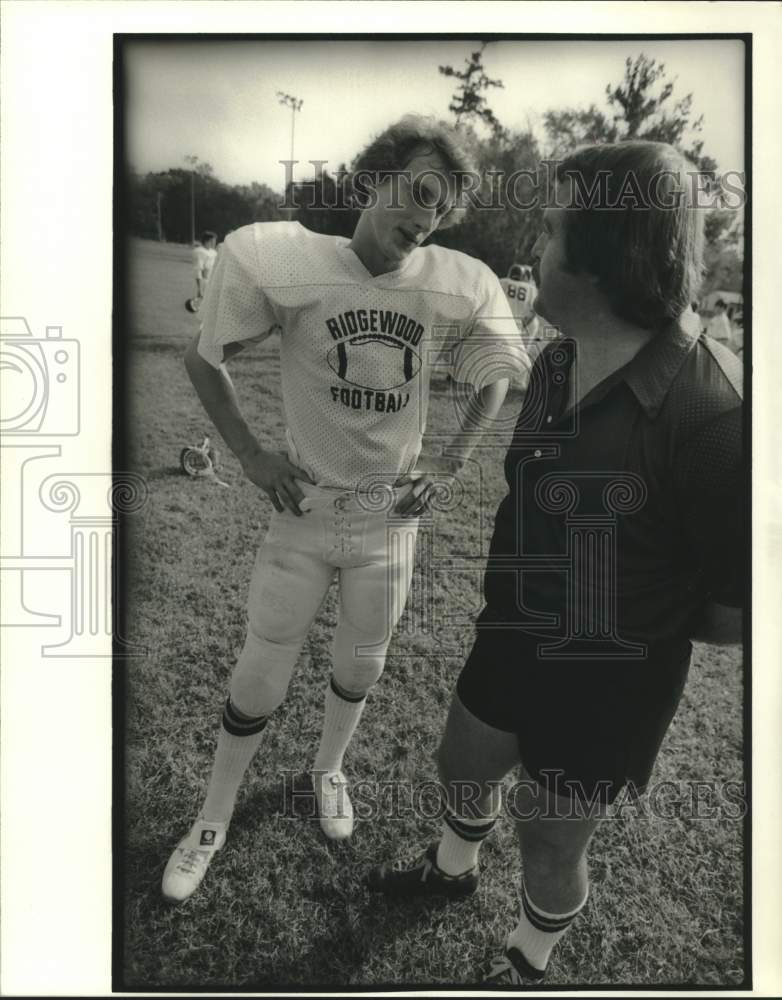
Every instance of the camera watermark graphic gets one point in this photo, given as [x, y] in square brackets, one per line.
[58, 527]
[40, 381]
[590, 505]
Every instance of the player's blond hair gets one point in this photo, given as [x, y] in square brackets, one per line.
[414, 135]
[396, 145]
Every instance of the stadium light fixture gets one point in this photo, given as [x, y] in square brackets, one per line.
[294, 103]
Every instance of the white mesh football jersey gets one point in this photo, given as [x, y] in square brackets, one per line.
[357, 351]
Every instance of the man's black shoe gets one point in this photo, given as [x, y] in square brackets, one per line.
[512, 969]
[422, 878]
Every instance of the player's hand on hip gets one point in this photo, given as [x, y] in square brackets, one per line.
[276, 476]
[429, 471]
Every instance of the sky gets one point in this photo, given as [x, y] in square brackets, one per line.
[218, 100]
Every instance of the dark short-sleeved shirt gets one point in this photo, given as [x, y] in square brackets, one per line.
[624, 516]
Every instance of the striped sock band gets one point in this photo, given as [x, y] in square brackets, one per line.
[241, 725]
[461, 841]
[538, 930]
[240, 736]
[345, 695]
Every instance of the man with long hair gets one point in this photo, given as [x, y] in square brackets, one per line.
[620, 541]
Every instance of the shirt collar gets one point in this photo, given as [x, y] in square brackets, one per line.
[652, 371]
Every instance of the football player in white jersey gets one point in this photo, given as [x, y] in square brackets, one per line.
[360, 324]
[520, 290]
[204, 257]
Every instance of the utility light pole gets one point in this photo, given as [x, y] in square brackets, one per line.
[159, 216]
[294, 103]
[193, 161]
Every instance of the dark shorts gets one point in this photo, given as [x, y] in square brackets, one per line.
[586, 728]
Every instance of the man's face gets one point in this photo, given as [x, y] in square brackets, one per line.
[559, 291]
[411, 205]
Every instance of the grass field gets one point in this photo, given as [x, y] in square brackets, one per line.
[280, 905]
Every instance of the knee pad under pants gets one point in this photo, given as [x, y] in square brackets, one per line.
[372, 599]
[286, 591]
[262, 674]
[357, 659]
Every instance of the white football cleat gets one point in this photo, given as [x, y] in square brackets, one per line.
[335, 809]
[192, 856]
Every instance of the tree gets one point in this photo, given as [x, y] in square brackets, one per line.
[198, 166]
[494, 229]
[647, 109]
[723, 256]
[645, 115]
[572, 127]
[643, 111]
[221, 207]
[503, 219]
[468, 101]
[263, 201]
[325, 204]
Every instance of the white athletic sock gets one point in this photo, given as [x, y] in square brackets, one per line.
[340, 718]
[461, 841]
[538, 931]
[239, 738]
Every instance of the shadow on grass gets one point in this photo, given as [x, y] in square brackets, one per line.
[340, 954]
[165, 472]
[158, 345]
[351, 929]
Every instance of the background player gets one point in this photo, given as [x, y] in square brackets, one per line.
[358, 322]
[718, 326]
[204, 257]
[520, 290]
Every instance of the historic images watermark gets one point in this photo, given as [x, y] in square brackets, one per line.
[520, 190]
[521, 800]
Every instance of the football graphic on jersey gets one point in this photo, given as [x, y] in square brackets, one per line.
[374, 362]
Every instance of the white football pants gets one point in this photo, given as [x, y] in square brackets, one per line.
[372, 549]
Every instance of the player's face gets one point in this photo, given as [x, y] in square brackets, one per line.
[411, 205]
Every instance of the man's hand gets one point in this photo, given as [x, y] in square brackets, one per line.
[276, 476]
[429, 471]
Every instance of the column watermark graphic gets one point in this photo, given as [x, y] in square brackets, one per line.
[589, 505]
[59, 525]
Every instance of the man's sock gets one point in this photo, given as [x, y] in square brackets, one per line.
[461, 841]
[538, 931]
[240, 736]
[340, 718]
